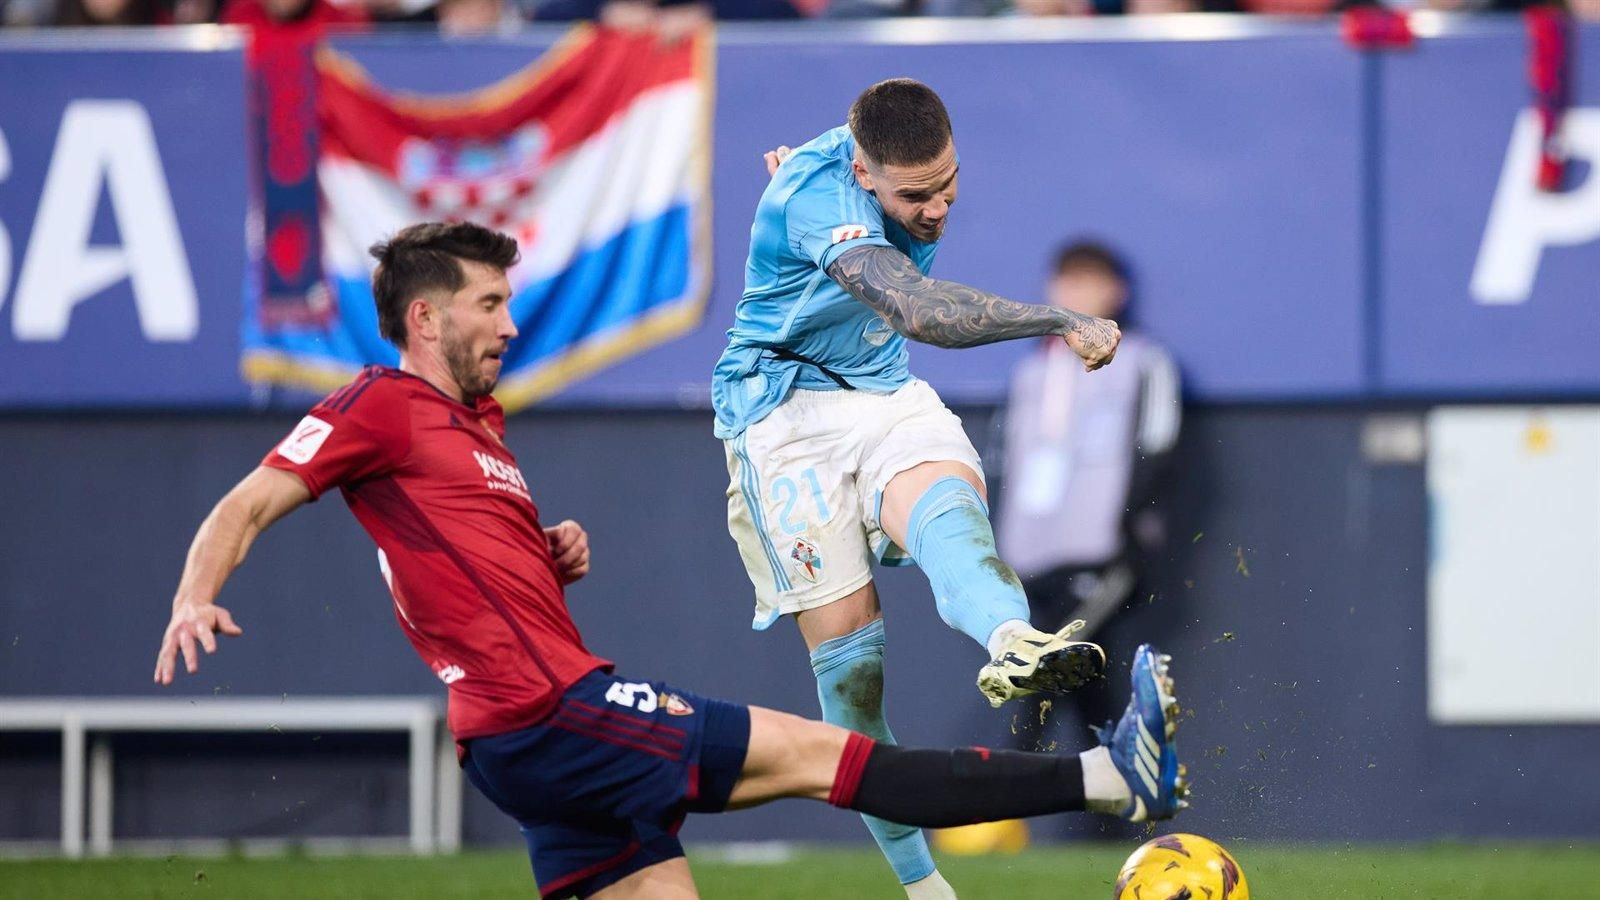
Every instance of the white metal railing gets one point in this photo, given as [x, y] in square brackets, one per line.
[86, 760]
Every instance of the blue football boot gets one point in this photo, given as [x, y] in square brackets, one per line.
[1142, 745]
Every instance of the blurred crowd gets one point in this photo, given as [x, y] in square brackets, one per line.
[481, 16]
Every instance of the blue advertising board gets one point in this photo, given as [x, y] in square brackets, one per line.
[122, 227]
[1487, 283]
[1246, 201]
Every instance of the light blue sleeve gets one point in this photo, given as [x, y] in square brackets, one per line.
[827, 216]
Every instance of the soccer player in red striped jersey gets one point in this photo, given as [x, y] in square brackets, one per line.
[598, 769]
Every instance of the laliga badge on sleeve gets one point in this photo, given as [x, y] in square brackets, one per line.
[305, 440]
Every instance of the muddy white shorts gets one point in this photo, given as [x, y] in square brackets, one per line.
[806, 482]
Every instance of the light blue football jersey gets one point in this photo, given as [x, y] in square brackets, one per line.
[812, 211]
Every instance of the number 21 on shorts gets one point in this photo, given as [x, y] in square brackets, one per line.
[786, 491]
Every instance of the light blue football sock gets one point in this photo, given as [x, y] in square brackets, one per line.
[951, 540]
[849, 674]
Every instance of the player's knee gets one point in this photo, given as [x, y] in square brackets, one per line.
[811, 742]
[822, 741]
[818, 747]
[841, 618]
[797, 757]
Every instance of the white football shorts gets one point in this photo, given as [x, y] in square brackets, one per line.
[805, 484]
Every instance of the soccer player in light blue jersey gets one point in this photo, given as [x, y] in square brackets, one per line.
[839, 458]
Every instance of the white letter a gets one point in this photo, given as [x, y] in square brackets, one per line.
[109, 142]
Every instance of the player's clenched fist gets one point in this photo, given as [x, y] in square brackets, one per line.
[192, 622]
[1095, 341]
[569, 547]
[775, 158]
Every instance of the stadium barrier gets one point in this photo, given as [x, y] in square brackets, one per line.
[435, 779]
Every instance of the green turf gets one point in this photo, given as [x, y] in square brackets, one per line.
[1510, 871]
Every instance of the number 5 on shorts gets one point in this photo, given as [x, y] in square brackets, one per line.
[634, 696]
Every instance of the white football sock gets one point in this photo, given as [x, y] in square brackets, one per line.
[1104, 790]
[1004, 633]
[934, 887]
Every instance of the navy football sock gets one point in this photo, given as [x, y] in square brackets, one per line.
[946, 788]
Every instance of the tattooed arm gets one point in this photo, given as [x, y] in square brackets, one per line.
[947, 314]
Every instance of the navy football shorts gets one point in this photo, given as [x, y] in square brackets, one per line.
[602, 785]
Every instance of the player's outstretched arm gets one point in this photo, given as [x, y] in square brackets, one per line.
[263, 497]
[948, 314]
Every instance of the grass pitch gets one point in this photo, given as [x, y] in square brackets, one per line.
[1457, 872]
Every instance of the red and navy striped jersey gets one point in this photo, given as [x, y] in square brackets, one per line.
[459, 541]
